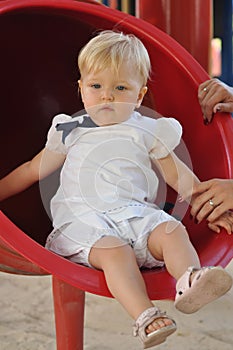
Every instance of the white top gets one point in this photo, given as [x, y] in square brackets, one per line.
[108, 167]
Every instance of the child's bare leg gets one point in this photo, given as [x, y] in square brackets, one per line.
[195, 287]
[123, 276]
[170, 242]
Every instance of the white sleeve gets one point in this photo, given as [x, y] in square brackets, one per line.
[54, 138]
[167, 137]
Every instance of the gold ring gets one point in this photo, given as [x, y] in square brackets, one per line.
[211, 203]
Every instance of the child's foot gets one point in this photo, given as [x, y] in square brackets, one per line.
[157, 324]
[153, 327]
[198, 287]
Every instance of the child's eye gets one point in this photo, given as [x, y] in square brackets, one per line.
[96, 86]
[121, 87]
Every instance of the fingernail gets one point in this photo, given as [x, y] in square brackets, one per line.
[206, 121]
[196, 221]
[190, 216]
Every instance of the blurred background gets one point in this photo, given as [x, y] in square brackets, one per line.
[203, 27]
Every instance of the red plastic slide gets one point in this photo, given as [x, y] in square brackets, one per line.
[40, 40]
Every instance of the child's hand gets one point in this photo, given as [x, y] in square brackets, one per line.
[224, 221]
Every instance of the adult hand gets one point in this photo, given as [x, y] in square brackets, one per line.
[211, 199]
[215, 96]
[225, 221]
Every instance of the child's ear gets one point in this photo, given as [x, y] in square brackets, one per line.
[80, 84]
[80, 87]
[141, 95]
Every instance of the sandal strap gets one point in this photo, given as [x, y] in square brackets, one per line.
[184, 281]
[146, 318]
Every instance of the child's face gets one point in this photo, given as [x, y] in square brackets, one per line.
[110, 98]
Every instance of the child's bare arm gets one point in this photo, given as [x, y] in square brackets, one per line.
[43, 164]
[177, 175]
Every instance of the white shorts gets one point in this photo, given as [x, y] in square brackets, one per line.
[75, 240]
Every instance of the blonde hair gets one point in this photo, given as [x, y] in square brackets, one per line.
[111, 48]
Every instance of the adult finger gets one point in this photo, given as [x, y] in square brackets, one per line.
[226, 107]
[216, 227]
[207, 209]
[217, 212]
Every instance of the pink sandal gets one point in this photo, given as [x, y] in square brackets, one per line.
[209, 283]
[156, 337]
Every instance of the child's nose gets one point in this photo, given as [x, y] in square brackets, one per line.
[108, 95]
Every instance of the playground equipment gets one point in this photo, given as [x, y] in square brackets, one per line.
[40, 40]
[179, 19]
